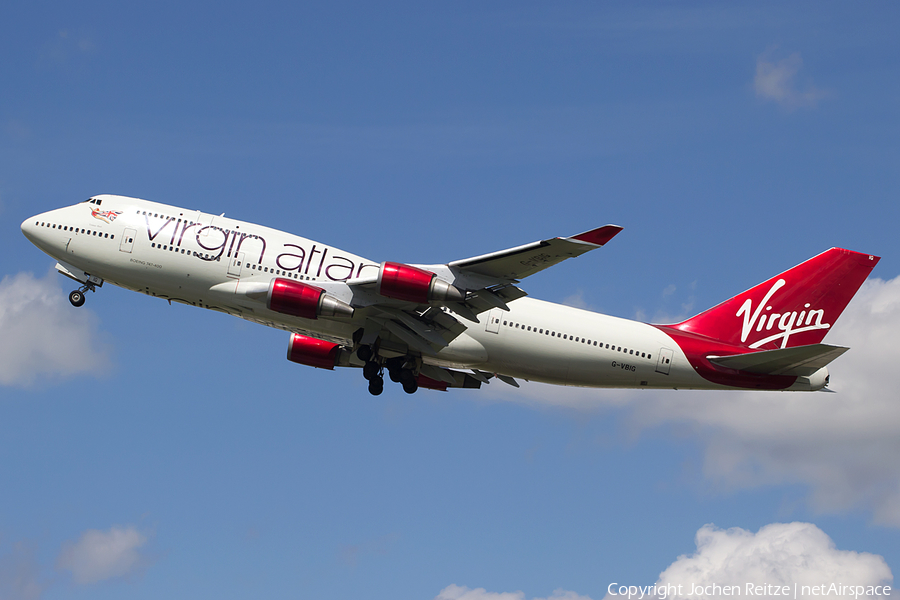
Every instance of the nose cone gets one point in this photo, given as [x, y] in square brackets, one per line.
[29, 229]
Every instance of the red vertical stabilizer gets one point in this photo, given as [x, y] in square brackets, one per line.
[795, 308]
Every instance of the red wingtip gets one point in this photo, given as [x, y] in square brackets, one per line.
[598, 236]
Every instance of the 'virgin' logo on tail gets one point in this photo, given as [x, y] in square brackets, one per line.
[762, 319]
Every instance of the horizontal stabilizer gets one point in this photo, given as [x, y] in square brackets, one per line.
[800, 361]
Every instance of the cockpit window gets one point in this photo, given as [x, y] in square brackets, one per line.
[94, 201]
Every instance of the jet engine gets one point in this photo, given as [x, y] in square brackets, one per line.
[313, 352]
[303, 300]
[412, 284]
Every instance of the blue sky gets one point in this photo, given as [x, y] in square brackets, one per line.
[152, 451]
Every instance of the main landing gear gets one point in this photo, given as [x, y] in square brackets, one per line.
[397, 369]
[76, 297]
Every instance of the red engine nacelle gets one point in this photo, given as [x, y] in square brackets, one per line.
[303, 300]
[313, 352]
[412, 284]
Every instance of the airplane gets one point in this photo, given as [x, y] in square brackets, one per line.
[455, 325]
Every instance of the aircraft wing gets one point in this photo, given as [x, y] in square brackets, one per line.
[485, 281]
[509, 266]
[798, 361]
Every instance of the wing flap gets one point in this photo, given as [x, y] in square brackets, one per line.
[800, 361]
[439, 378]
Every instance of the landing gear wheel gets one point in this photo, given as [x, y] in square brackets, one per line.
[364, 353]
[395, 375]
[410, 386]
[76, 297]
[371, 369]
[376, 386]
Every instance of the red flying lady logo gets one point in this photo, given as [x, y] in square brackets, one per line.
[107, 216]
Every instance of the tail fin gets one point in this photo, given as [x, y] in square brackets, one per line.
[794, 308]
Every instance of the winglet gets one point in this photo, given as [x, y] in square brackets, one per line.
[598, 236]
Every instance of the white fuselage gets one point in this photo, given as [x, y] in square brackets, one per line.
[204, 260]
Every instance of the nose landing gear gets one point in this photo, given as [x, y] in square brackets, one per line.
[76, 297]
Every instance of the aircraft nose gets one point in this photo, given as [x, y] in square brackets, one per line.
[29, 228]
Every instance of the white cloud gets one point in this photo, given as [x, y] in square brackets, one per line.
[780, 554]
[100, 555]
[776, 80]
[457, 592]
[43, 334]
[837, 444]
[577, 300]
[840, 446]
[20, 574]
